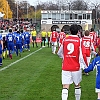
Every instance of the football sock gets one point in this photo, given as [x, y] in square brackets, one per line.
[54, 49]
[0, 61]
[33, 45]
[4, 54]
[17, 52]
[77, 93]
[64, 94]
[98, 99]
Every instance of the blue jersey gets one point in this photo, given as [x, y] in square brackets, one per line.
[18, 38]
[0, 44]
[0, 37]
[23, 35]
[15, 33]
[27, 36]
[95, 64]
[10, 38]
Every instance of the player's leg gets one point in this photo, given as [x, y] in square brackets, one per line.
[77, 77]
[33, 41]
[0, 57]
[4, 54]
[28, 45]
[98, 96]
[77, 92]
[97, 90]
[20, 49]
[44, 40]
[55, 45]
[66, 81]
[48, 41]
[88, 61]
[17, 49]
[52, 46]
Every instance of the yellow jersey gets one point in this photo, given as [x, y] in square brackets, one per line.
[48, 34]
[43, 33]
[33, 33]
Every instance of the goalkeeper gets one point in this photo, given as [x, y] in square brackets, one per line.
[95, 64]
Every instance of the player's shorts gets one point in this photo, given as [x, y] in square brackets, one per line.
[97, 90]
[69, 77]
[54, 43]
[34, 38]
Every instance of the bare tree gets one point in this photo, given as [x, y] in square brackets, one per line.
[79, 5]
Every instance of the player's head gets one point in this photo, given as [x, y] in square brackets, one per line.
[18, 32]
[54, 29]
[10, 30]
[21, 31]
[15, 29]
[34, 28]
[62, 30]
[92, 29]
[87, 33]
[74, 29]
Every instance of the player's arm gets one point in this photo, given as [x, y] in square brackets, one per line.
[84, 54]
[60, 52]
[2, 44]
[90, 67]
[92, 49]
[50, 38]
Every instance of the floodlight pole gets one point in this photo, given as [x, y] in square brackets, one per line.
[17, 9]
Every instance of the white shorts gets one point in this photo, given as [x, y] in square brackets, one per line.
[54, 43]
[97, 90]
[69, 77]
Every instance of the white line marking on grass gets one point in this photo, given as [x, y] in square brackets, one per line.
[19, 60]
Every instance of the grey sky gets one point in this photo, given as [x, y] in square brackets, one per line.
[37, 1]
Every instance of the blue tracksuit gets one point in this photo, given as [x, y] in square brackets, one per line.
[95, 64]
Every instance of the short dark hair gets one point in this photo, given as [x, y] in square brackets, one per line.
[62, 30]
[21, 31]
[92, 29]
[87, 33]
[74, 29]
[10, 30]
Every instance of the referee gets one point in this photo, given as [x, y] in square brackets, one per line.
[34, 33]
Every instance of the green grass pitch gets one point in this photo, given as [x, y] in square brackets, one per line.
[38, 77]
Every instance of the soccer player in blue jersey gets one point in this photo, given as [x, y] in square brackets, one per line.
[1, 48]
[23, 38]
[95, 64]
[27, 40]
[15, 33]
[18, 41]
[10, 43]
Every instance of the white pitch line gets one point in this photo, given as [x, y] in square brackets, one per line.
[19, 60]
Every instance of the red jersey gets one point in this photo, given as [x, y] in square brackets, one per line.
[93, 36]
[62, 35]
[98, 41]
[54, 36]
[71, 53]
[88, 45]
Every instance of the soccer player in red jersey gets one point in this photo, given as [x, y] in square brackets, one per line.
[53, 40]
[71, 70]
[93, 36]
[88, 44]
[61, 36]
